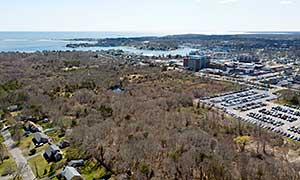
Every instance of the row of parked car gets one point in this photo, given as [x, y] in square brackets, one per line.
[277, 114]
[250, 106]
[252, 121]
[283, 133]
[226, 94]
[260, 123]
[287, 110]
[244, 100]
[294, 129]
[265, 119]
[292, 106]
[274, 128]
[235, 96]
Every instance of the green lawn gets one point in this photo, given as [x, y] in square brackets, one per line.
[281, 101]
[92, 170]
[39, 149]
[8, 165]
[89, 171]
[54, 135]
[41, 164]
[26, 143]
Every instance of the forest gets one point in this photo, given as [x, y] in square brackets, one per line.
[139, 122]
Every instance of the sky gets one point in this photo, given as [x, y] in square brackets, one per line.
[156, 16]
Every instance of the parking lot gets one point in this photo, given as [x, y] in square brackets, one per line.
[255, 107]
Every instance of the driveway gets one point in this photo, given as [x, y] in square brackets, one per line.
[9, 177]
[21, 161]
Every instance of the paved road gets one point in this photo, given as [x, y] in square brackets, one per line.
[21, 161]
[9, 177]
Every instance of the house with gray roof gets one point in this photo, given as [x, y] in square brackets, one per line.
[40, 138]
[70, 173]
[76, 163]
[53, 153]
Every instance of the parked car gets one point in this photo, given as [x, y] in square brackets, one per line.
[63, 144]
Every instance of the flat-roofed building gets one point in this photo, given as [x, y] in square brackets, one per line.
[196, 62]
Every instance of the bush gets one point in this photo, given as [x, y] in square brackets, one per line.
[242, 141]
[11, 85]
[175, 155]
[32, 152]
[74, 123]
[45, 172]
[144, 168]
[105, 111]
[59, 176]
[185, 101]
[6, 157]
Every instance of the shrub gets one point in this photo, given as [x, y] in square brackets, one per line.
[144, 168]
[32, 152]
[74, 123]
[242, 141]
[105, 111]
[11, 85]
[45, 172]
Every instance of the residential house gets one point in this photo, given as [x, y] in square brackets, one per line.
[76, 163]
[32, 127]
[70, 173]
[40, 138]
[63, 144]
[53, 153]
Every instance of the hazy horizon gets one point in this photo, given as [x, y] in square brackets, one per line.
[115, 34]
[167, 17]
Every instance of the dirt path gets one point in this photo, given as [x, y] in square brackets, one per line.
[21, 161]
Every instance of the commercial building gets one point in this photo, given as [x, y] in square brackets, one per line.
[196, 62]
[246, 58]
